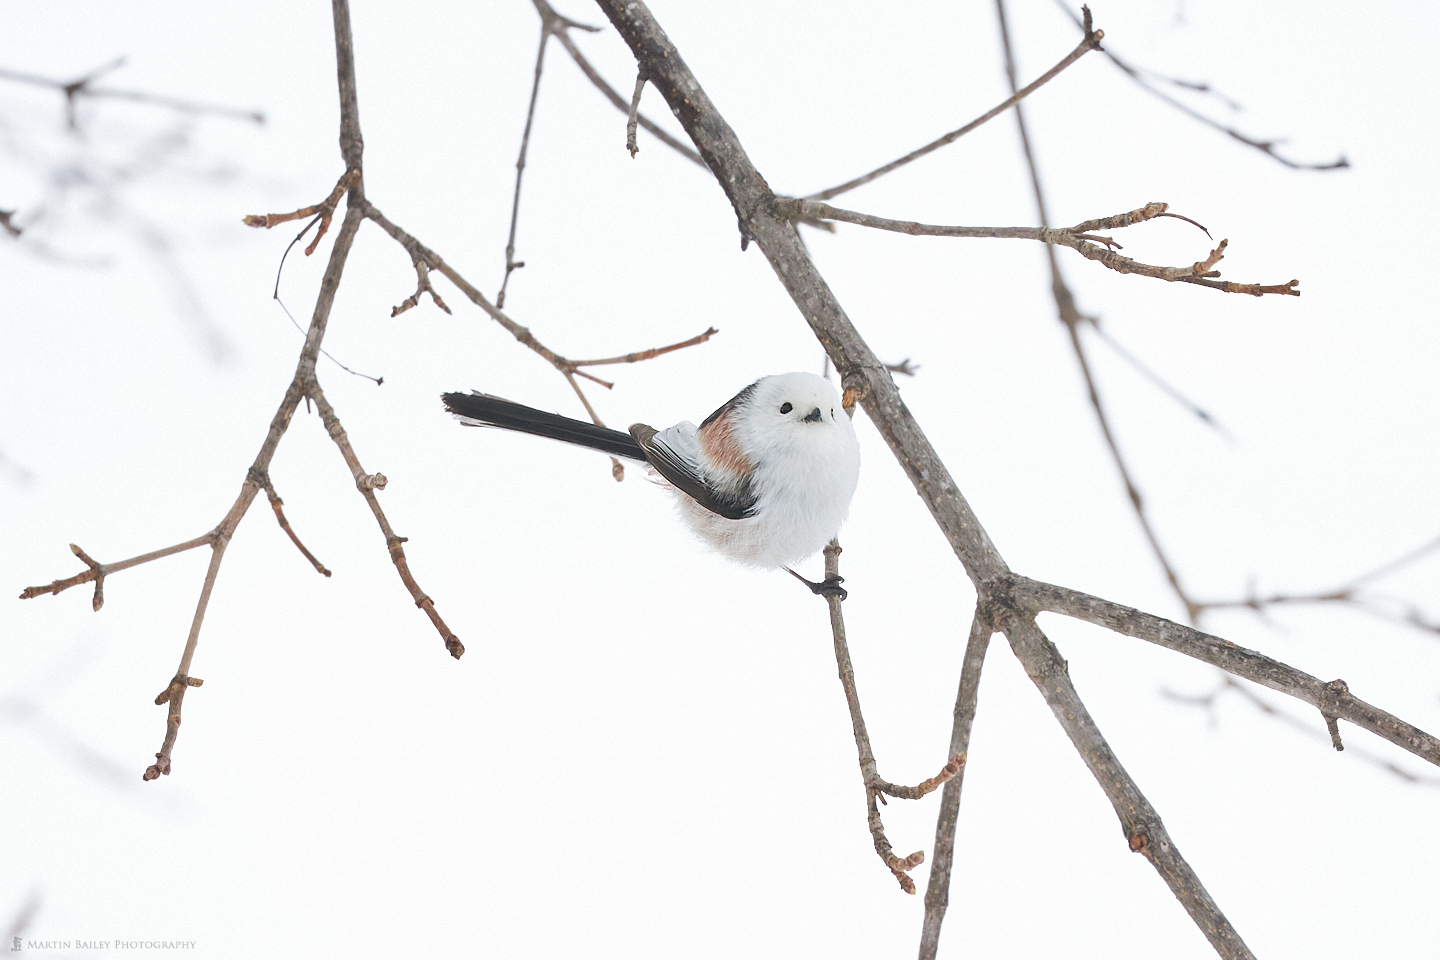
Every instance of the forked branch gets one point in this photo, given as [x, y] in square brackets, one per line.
[876, 787]
[426, 260]
[1078, 238]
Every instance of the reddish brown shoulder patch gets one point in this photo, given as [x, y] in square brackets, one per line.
[717, 439]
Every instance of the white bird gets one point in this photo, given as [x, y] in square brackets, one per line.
[766, 479]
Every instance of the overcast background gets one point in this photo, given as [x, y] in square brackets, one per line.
[644, 751]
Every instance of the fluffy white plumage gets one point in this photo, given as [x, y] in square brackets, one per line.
[801, 473]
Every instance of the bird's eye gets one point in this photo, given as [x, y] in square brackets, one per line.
[832, 413]
[786, 408]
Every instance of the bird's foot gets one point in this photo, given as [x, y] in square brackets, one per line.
[829, 587]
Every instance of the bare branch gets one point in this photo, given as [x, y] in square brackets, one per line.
[1203, 415]
[1331, 700]
[100, 571]
[426, 259]
[422, 287]
[367, 484]
[630, 143]
[875, 786]
[325, 209]
[1143, 828]
[1090, 42]
[1228, 684]
[1073, 237]
[560, 29]
[1136, 500]
[82, 87]
[1351, 594]
[276, 504]
[1266, 147]
[511, 265]
[937, 893]
[648, 354]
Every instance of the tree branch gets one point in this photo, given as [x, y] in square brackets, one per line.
[937, 894]
[83, 87]
[511, 265]
[1076, 238]
[277, 505]
[1090, 42]
[367, 484]
[561, 32]
[302, 385]
[1266, 147]
[876, 787]
[1143, 829]
[426, 259]
[1333, 700]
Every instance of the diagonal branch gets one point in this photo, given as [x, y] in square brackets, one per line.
[277, 505]
[1333, 699]
[560, 29]
[367, 484]
[1143, 829]
[937, 894]
[1351, 594]
[1266, 147]
[1090, 42]
[426, 259]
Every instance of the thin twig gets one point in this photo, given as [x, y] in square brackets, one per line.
[325, 209]
[633, 121]
[937, 893]
[1266, 147]
[1349, 594]
[1137, 502]
[277, 504]
[100, 571]
[1084, 244]
[1203, 415]
[82, 87]
[1228, 684]
[648, 354]
[876, 787]
[426, 260]
[1090, 42]
[560, 28]
[367, 484]
[511, 265]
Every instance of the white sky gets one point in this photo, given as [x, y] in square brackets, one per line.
[645, 752]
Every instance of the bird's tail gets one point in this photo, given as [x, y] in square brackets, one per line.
[483, 410]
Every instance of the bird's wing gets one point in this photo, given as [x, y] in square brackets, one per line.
[675, 453]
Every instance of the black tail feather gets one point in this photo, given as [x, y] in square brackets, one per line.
[495, 412]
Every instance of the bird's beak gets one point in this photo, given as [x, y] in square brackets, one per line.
[813, 416]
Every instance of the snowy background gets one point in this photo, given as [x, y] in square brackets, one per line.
[645, 752]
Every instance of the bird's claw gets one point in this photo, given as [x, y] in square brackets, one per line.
[829, 587]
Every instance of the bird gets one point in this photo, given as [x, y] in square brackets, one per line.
[766, 480]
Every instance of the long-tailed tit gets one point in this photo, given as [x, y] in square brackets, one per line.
[766, 479]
